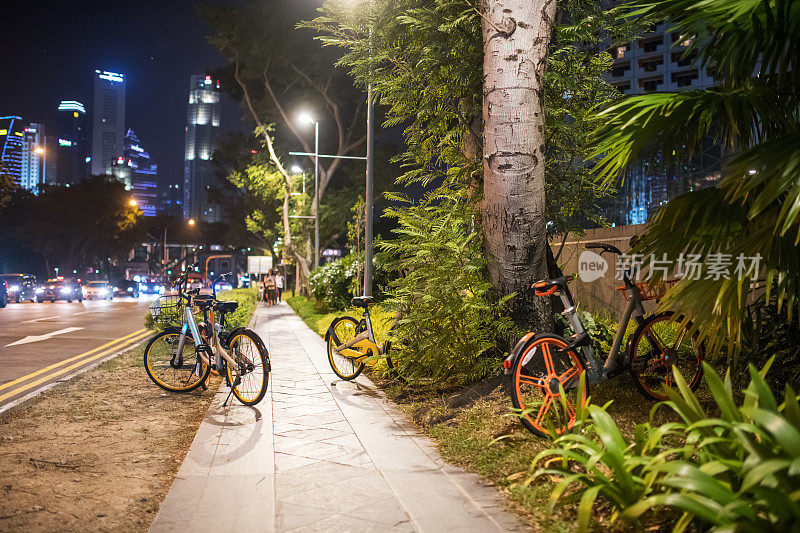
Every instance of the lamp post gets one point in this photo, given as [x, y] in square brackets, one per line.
[308, 119]
[165, 258]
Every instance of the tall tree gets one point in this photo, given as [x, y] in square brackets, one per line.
[516, 40]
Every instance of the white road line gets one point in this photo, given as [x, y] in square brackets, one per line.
[36, 338]
[38, 319]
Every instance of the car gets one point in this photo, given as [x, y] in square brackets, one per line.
[150, 286]
[62, 289]
[20, 287]
[99, 290]
[127, 287]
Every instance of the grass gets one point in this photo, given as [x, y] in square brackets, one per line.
[485, 437]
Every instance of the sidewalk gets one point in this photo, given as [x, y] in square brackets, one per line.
[319, 454]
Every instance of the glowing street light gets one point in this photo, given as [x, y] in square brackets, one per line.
[132, 202]
[38, 150]
[191, 222]
[307, 119]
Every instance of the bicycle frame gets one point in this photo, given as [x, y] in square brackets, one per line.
[617, 359]
[364, 341]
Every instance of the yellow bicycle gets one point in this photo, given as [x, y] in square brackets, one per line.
[352, 345]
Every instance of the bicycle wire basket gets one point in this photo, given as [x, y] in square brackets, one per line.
[167, 310]
[649, 290]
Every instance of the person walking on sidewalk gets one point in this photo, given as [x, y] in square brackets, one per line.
[279, 284]
[269, 288]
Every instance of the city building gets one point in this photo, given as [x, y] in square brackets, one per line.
[201, 132]
[139, 174]
[11, 146]
[72, 148]
[108, 120]
[26, 153]
[35, 152]
[657, 62]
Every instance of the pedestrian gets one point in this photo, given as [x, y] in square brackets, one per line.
[279, 284]
[269, 288]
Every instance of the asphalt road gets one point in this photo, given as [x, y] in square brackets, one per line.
[41, 343]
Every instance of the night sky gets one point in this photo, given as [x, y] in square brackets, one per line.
[51, 49]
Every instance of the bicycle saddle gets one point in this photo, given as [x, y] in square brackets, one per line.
[362, 301]
[226, 307]
[203, 301]
[547, 287]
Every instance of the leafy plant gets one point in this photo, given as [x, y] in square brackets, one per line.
[736, 472]
[601, 329]
[335, 284]
[753, 48]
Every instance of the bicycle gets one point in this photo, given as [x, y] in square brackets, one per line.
[543, 366]
[351, 343]
[181, 362]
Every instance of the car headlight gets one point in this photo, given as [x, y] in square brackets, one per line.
[116, 289]
[130, 289]
[39, 291]
[103, 292]
[66, 290]
[13, 288]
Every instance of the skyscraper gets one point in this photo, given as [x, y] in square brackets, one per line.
[24, 153]
[201, 133]
[108, 120]
[34, 157]
[139, 173]
[72, 149]
[11, 146]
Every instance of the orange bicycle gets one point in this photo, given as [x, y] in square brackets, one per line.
[542, 365]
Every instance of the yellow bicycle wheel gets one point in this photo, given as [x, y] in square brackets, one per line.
[170, 370]
[347, 364]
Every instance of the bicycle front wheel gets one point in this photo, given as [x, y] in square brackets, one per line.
[347, 368]
[170, 369]
[249, 377]
[659, 344]
[534, 387]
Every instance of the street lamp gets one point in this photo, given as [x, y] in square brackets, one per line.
[132, 202]
[305, 118]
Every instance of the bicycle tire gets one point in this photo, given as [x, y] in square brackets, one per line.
[159, 364]
[534, 381]
[253, 369]
[346, 327]
[654, 376]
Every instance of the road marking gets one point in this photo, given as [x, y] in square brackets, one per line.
[74, 358]
[37, 338]
[39, 319]
[64, 370]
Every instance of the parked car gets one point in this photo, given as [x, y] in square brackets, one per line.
[20, 287]
[127, 287]
[99, 290]
[62, 289]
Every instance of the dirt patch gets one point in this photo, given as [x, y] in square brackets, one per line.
[96, 454]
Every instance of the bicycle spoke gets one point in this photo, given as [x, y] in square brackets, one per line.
[548, 360]
[569, 374]
[546, 403]
[532, 380]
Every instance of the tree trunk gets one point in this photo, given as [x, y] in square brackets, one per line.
[516, 36]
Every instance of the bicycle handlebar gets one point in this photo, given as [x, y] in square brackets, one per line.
[605, 247]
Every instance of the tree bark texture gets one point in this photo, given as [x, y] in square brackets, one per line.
[516, 36]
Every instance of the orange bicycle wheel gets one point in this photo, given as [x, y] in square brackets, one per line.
[534, 388]
[659, 344]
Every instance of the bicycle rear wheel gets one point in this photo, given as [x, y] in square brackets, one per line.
[344, 328]
[658, 344]
[534, 387]
[250, 376]
[170, 370]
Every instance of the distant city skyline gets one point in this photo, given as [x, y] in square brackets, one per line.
[157, 48]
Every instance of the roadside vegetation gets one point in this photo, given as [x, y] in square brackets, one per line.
[722, 457]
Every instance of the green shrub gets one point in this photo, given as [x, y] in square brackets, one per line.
[335, 284]
[453, 327]
[737, 472]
